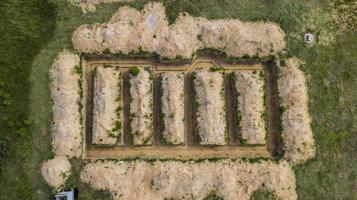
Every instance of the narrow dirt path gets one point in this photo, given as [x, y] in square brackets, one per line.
[272, 104]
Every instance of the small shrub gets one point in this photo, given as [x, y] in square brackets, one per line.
[134, 71]
[216, 68]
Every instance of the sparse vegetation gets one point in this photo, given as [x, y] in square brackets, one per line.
[213, 196]
[134, 71]
[263, 195]
[216, 68]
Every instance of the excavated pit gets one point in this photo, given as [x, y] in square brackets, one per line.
[161, 97]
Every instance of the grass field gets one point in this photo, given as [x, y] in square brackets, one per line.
[32, 32]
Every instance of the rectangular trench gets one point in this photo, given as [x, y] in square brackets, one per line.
[190, 149]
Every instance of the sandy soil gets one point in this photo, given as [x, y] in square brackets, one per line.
[211, 118]
[190, 180]
[148, 29]
[172, 84]
[66, 128]
[56, 171]
[141, 107]
[106, 101]
[297, 135]
[250, 88]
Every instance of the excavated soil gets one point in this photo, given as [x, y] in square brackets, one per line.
[131, 30]
[297, 135]
[66, 128]
[106, 101]
[189, 180]
[173, 109]
[56, 171]
[250, 88]
[141, 107]
[210, 107]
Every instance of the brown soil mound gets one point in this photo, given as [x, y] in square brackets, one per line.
[105, 106]
[173, 107]
[67, 138]
[131, 30]
[210, 105]
[190, 180]
[297, 135]
[141, 107]
[56, 171]
[250, 88]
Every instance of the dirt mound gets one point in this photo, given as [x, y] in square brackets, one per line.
[250, 88]
[297, 135]
[190, 180]
[56, 171]
[173, 107]
[131, 30]
[141, 106]
[210, 106]
[105, 106]
[66, 128]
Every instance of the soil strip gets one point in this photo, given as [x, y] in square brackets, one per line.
[231, 109]
[157, 93]
[272, 106]
[128, 138]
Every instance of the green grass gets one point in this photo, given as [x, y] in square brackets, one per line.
[25, 28]
[134, 71]
[33, 32]
[263, 195]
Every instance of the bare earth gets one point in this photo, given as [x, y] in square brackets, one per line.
[297, 135]
[141, 107]
[190, 180]
[67, 139]
[250, 88]
[173, 107]
[56, 171]
[130, 29]
[105, 104]
[209, 102]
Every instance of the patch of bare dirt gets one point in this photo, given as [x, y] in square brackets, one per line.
[66, 128]
[56, 171]
[148, 29]
[173, 107]
[210, 105]
[250, 88]
[106, 102]
[189, 180]
[296, 134]
[141, 107]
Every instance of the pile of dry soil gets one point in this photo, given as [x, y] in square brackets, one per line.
[56, 171]
[190, 180]
[66, 129]
[250, 89]
[131, 30]
[141, 107]
[210, 106]
[297, 135]
[172, 100]
[107, 92]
